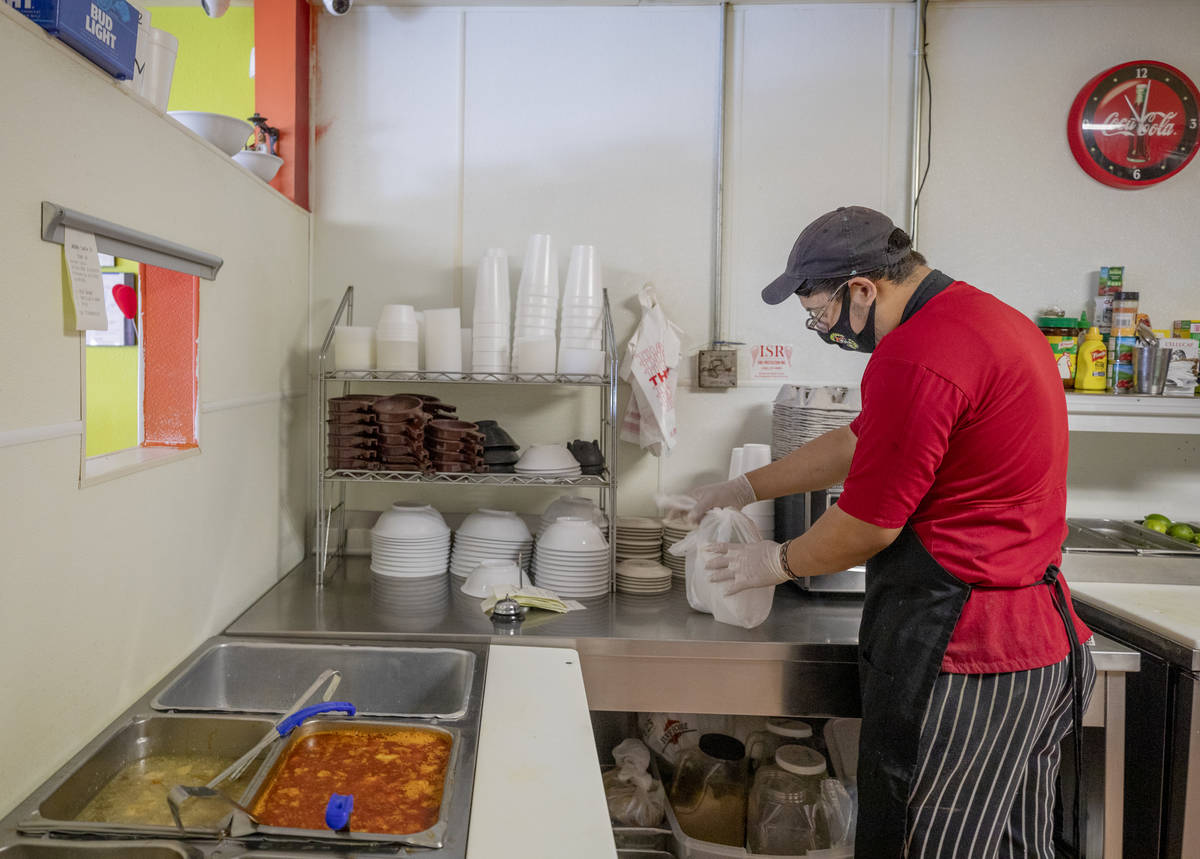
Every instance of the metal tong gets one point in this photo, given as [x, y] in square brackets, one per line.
[296, 714]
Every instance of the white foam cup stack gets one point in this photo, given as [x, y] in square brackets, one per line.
[537, 302]
[354, 347]
[397, 339]
[443, 340]
[492, 315]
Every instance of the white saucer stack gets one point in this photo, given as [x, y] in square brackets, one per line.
[572, 559]
[803, 412]
[639, 537]
[673, 532]
[490, 535]
[640, 576]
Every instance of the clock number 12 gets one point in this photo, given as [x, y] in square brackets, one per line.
[1141, 72]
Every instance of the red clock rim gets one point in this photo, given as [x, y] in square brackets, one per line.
[1075, 132]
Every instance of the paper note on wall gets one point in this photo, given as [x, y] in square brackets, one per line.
[771, 361]
[87, 288]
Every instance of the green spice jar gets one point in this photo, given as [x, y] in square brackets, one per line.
[1062, 333]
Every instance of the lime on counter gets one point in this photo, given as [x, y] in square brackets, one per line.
[1157, 525]
[1181, 531]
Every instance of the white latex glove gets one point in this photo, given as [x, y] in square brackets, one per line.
[736, 493]
[745, 565]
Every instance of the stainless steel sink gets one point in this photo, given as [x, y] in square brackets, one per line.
[30, 849]
[225, 737]
[265, 677]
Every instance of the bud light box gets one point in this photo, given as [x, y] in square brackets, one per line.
[104, 31]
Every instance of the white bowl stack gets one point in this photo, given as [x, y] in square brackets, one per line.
[675, 530]
[534, 337]
[425, 597]
[641, 576]
[581, 338]
[571, 559]
[410, 541]
[576, 506]
[396, 339]
[490, 535]
[639, 537]
[548, 460]
[492, 315]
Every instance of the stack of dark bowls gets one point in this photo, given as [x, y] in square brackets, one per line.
[588, 455]
[499, 449]
[434, 407]
[401, 421]
[455, 446]
[353, 441]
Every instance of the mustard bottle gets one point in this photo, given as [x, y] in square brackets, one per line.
[1091, 365]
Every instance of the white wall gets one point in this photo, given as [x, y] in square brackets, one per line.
[445, 131]
[107, 588]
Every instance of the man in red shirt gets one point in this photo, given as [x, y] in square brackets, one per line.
[955, 496]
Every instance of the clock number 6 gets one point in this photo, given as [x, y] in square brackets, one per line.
[1137, 173]
[1141, 72]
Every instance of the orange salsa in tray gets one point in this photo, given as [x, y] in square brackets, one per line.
[396, 776]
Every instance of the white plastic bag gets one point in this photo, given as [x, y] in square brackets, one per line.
[648, 365]
[746, 608]
[635, 798]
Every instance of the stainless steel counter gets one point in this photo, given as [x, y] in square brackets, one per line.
[654, 653]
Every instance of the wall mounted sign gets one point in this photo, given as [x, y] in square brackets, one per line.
[1135, 124]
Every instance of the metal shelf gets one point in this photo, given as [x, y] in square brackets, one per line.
[464, 378]
[355, 476]
[330, 488]
[1129, 413]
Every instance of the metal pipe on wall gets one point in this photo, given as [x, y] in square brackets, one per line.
[918, 57]
[717, 332]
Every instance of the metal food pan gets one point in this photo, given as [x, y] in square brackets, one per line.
[1141, 539]
[433, 837]
[262, 677]
[143, 737]
[1080, 539]
[46, 849]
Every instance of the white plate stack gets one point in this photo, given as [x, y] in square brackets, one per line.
[639, 537]
[572, 559]
[576, 506]
[803, 412]
[673, 531]
[640, 576]
[410, 541]
[534, 336]
[490, 535]
[548, 460]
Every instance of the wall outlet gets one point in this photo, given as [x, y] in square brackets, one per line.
[717, 368]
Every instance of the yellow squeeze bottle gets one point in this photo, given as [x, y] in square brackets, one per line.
[1091, 365]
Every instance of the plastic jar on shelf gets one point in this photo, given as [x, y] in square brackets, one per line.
[1062, 333]
[762, 745]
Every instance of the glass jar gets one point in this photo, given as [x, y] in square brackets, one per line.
[1063, 336]
[780, 819]
[708, 794]
[762, 745]
[805, 763]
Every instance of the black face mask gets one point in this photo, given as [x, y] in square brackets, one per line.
[841, 334]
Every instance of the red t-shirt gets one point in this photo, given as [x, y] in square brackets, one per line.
[963, 435]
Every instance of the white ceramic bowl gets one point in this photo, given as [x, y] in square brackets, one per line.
[487, 573]
[409, 522]
[488, 524]
[227, 133]
[261, 164]
[568, 533]
[547, 457]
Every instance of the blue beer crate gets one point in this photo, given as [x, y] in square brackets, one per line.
[104, 31]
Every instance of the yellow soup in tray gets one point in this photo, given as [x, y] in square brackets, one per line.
[396, 777]
[137, 795]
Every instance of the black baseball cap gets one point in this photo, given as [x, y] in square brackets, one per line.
[842, 243]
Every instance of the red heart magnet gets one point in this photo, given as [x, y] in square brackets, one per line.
[126, 298]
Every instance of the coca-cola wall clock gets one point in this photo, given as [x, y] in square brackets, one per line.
[1135, 124]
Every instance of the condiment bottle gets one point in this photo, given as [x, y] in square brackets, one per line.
[1062, 333]
[1091, 367]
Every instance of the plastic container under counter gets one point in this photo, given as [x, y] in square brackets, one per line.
[686, 847]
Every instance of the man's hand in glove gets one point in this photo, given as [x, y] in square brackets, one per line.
[746, 565]
[736, 493]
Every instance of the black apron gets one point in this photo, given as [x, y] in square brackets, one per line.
[910, 610]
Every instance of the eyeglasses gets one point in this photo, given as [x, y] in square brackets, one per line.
[813, 323]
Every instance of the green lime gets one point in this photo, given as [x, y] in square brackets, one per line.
[1157, 517]
[1157, 525]
[1181, 531]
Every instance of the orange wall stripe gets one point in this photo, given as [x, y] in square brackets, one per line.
[282, 43]
[170, 331]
